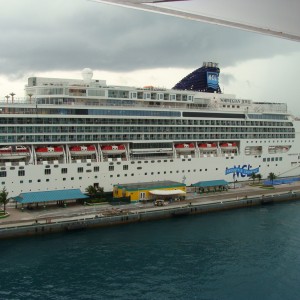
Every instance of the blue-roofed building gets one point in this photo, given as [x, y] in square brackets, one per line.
[214, 184]
[50, 196]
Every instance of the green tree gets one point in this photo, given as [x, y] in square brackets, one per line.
[4, 198]
[100, 190]
[258, 176]
[253, 176]
[91, 190]
[272, 177]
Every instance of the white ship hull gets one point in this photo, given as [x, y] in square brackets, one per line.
[187, 170]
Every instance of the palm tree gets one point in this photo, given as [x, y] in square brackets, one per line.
[4, 199]
[272, 177]
[258, 176]
[100, 190]
[253, 176]
[91, 190]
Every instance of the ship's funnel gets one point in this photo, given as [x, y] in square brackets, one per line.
[204, 79]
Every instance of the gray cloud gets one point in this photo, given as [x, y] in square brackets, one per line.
[71, 34]
[226, 78]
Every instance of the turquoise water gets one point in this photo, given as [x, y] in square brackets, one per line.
[242, 254]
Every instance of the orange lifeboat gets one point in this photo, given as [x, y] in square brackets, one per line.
[14, 152]
[49, 151]
[228, 145]
[7, 149]
[207, 146]
[82, 150]
[113, 149]
[149, 87]
[22, 149]
[185, 147]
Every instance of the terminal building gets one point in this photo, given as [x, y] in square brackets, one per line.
[150, 191]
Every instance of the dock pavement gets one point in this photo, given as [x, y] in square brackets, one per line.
[74, 212]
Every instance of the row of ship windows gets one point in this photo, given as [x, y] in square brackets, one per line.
[112, 129]
[149, 95]
[281, 141]
[97, 121]
[47, 180]
[272, 159]
[111, 176]
[125, 175]
[165, 172]
[157, 95]
[140, 137]
[80, 170]
[98, 112]
[110, 94]
[125, 167]
[47, 171]
[22, 173]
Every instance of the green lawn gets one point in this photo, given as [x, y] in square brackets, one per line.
[2, 215]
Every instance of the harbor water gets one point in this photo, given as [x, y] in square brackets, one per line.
[250, 253]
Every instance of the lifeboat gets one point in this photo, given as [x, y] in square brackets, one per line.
[207, 146]
[22, 149]
[228, 145]
[185, 147]
[113, 149]
[285, 148]
[149, 87]
[49, 151]
[7, 149]
[82, 150]
[14, 152]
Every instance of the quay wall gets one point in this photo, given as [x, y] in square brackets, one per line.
[142, 215]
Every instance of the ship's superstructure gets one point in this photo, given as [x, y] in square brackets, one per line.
[71, 134]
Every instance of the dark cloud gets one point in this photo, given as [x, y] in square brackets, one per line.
[72, 34]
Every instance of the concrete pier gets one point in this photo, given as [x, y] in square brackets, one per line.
[82, 217]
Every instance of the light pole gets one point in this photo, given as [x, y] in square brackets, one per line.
[30, 95]
[12, 96]
[233, 175]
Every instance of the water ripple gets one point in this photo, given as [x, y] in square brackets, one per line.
[243, 254]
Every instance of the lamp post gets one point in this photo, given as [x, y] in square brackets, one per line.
[12, 96]
[234, 180]
[30, 95]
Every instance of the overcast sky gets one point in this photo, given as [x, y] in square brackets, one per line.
[61, 37]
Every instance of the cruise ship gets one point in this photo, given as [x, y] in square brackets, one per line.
[73, 133]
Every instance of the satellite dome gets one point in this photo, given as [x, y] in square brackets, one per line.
[87, 74]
